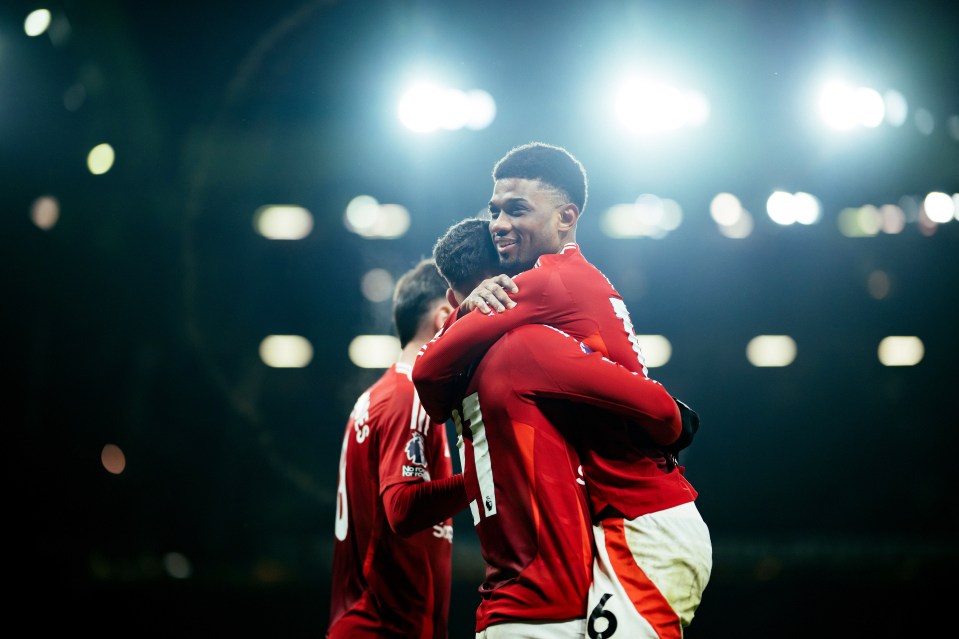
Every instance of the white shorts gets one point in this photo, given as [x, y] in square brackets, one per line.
[574, 629]
[649, 574]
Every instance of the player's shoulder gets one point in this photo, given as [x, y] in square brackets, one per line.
[569, 254]
[394, 391]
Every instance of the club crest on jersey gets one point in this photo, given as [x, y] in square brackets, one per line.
[416, 453]
[416, 450]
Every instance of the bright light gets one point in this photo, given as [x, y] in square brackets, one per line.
[870, 109]
[368, 218]
[725, 209]
[837, 106]
[374, 351]
[482, 109]
[419, 108]
[656, 350]
[283, 222]
[807, 208]
[454, 110]
[843, 107]
[781, 208]
[649, 106]
[100, 159]
[789, 208]
[897, 109]
[899, 350]
[425, 108]
[37, 22]
[286, 351]
[771, 351]
[939, 207]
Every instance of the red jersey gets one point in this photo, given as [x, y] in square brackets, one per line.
[385, 585]
[520, 472]
[565, 291]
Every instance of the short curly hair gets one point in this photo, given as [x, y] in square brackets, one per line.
[416, 292]
[466, 254]
[551, 165]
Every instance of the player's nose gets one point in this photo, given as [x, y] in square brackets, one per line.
[499, 225]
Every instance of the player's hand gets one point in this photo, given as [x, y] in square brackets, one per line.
[491, 296]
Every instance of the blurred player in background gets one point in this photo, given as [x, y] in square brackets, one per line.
[396, 492]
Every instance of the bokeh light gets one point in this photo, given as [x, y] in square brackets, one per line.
[37, 22]
[45, 212]
[177, 565]
[370, 219]
[741, 229]
[100, 159]
[374, 351]
[649, 216]
[771, 351]
[939, 207]
[901, 350]
[286, 351]
[725, 209]
[656, 350]
[113, 459]
[864, 221]
[878, 285]
[280, 222]
[377, 285]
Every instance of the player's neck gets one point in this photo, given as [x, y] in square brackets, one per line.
[408, 354]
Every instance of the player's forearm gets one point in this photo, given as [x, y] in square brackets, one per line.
[412, 507]
[595, 380]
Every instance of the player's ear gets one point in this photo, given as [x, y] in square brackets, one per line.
[451, 298]
[568, 216]
[440, 315]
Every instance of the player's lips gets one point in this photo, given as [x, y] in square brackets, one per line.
[504, 245]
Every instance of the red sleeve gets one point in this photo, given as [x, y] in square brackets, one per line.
[414, 507]
[437, 373]
[553, 364]
[406, 440]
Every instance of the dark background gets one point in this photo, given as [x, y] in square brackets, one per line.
[828, 485]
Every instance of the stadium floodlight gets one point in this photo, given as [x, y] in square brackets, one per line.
[647, 106]
[427, 107]
[843, 107]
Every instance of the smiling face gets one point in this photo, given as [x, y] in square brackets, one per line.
[529, 219]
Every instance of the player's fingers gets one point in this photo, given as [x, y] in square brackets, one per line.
[506, 282]
[501, 299]
[496, 299]
[476, 302]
